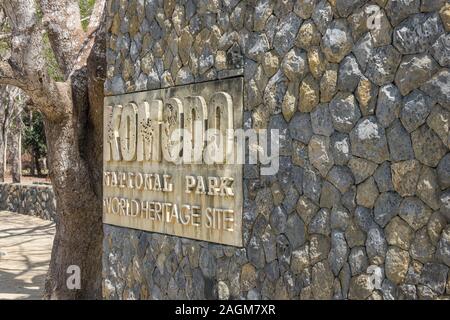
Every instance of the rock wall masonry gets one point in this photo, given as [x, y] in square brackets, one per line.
[33, 200]
[364, 178]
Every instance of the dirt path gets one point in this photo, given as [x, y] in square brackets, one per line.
[25, 247]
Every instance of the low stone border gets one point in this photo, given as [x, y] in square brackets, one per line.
[34, 200]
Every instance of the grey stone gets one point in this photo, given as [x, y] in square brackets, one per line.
[363, 50]
[435, 225]
[361, 287]
[358, 261]
[443, 248]
[341, 177]
[438, 88]
[428, 147]
[425, 293]
[344, 112]
[222, 291]
[414, 212]
[428, 188]
[413, 71]
[368, 140]
[337, 41]
[439, 121]
[306, 209]
[184, 76]
[264, 202]
[321, 120]
[339, 251]
[308, 35]
[445, 204]
[117, 85]
[328, 83]
[319, 247]
[348, 199]
[415, 110]
[320, 154]
[383, 177]
[284, 132]
[366, 94]
[339, 218]
[443, 171]
[407, 292]
[322, 15]
[257, 45]
[286, 32]
[405, 176]
[441, 50]
[207, 263]
[329, 195]
[278, 219]
[354, 235]
[346, 7]
[386, 207]
[399, 233]
[263, 10]
[269, 245]
[399, 142]
[367, 193]
[364, 218]
[312, 184]
[382, 65]
[320, 223]
[295, 231]
[349, 74]
[340, 147]
[284, 250]
[322, 281]
[396, 264]
[300, 259]
[300, 127]
[388, 105]
[431, 5]
[361, 168]
[295, 65]
[421, 247]
[389, 290]
[398, 10]
[255, 252]
[376, 245]
[434, 275]
[275, 91]
[304, 8]
[417, 33]
[290, 199]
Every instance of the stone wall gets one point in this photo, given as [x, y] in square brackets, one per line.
[33, 200]
[364, 178]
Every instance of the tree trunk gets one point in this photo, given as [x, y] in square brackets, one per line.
[75, 162]
[77, 241]
[16, 148]
[73, 114]
[36, 166]
[3, 148]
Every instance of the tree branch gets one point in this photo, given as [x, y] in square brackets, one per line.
[63, 23]
[96, 16]
[26, 68]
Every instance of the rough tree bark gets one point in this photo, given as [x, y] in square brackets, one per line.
[16, 150]
[72, 111]
[10, 112]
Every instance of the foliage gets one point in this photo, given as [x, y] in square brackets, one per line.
[33, 134]
[85, 11]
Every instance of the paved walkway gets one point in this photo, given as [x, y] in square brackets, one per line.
[25, 247]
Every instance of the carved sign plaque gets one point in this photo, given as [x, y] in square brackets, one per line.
[168, 161]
